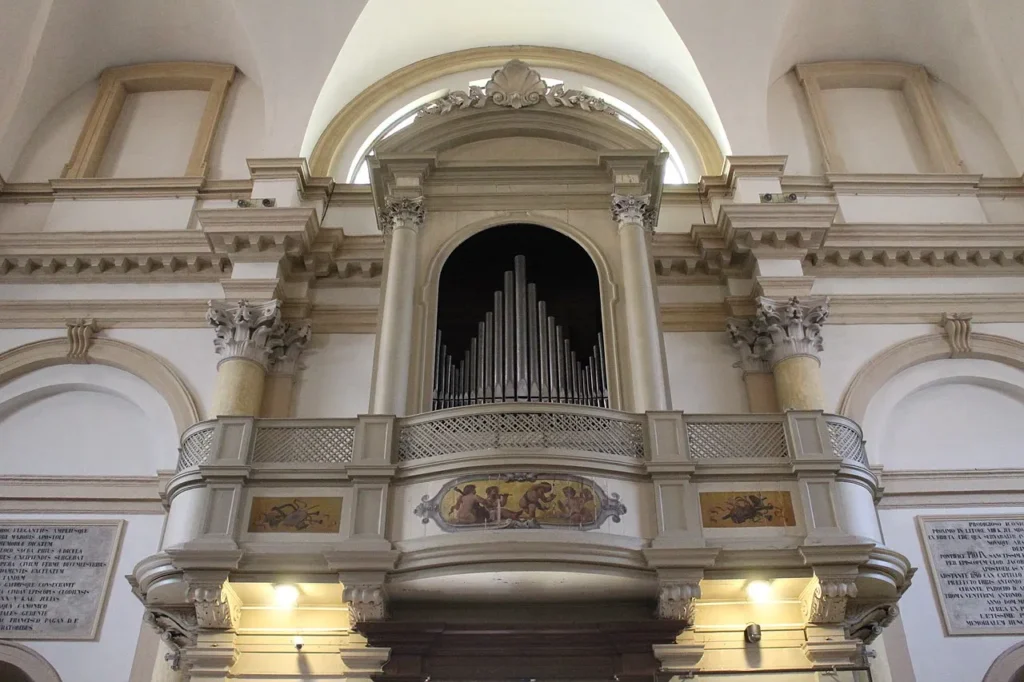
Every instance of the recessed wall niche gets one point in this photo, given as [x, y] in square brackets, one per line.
[519, 320]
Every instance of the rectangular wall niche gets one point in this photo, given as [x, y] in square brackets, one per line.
[123, 93]
[861, 127]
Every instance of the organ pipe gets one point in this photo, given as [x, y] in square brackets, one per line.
[519, 354]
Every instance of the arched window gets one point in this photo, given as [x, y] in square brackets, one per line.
[519, 320]
[359, 172]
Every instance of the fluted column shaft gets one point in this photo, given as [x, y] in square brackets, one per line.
[650, 391]
[401, 218]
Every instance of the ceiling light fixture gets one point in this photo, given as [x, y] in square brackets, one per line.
[759, 590]
[285, 595]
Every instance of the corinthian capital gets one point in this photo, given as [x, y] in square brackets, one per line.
[824, 599]
[399, 212]
[632, 209]
[792, 327]
[677, 600]
[217, 606]
[253, 331]
[752, 346]
[284, 358]
[365, 603]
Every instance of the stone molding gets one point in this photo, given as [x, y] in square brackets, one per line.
[888, 363]
[515, 85]
[82, 494]
[130, 358]
[255, 331]
[825, 597]
[401, 212]
[35, 667]
[677, 600]
[117, 82]
[633, 209]
[948, 488]
[365, 602]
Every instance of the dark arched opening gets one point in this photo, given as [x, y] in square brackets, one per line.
[519, 320]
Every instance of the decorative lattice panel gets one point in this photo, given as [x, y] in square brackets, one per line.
[723, 440]
[529, 430]
[195, 449]
[847, 443]
[316, 445]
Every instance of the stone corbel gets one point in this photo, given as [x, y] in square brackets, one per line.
[177, 628]
[677, 600]
[824, 599]
[866, 621]
[958, 333]
[80, 333]
[366, 602]
[217, 606]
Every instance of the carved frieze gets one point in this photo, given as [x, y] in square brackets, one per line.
[515, 85]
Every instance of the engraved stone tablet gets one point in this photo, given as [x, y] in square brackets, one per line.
[54, 577]
[977, 568]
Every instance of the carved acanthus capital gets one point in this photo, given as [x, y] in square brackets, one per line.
[677, 600]
[633, 209]
[80, 333]
[958, 332]
[217, 606]
[401, 212]
[752, 347]
[825, 597]
[284, 358]
[792, 327]
[365, 603]
[253, 331]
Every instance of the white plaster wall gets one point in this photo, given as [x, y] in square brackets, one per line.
[934, 655]
[997, 209]
[336, 378]
[867, 208]
[154, 135]
[107, 658]
[100, 215]
[240, 131]
[52, 142]
[700, 373]
[84, 420]
[980, 149]
[791, 128]
[949, 414]
[189, 351]
[24, 217]
[874, 131]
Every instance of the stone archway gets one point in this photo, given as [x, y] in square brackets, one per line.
[1008, 666]
[31, 666]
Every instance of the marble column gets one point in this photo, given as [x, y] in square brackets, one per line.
[650, 390]
[401, 220]
[790, 332]
[250, 337]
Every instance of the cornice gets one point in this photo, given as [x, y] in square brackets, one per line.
[918, 184]
[309, 187]
[909, 489]
[117, 188]
[270, 231]
[83, 494]
[174, 314]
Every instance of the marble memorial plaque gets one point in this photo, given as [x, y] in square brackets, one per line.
[977, 569]
[54, 577]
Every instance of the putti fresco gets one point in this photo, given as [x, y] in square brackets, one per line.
[520, 500]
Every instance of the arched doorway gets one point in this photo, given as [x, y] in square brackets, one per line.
[519, 320]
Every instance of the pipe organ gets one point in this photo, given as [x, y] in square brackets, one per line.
[519, 354]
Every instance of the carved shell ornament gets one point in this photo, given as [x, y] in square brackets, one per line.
[515, 85]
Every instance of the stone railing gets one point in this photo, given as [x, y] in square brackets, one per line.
[704, 440]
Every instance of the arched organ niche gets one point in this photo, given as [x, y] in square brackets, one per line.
[519, 320]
